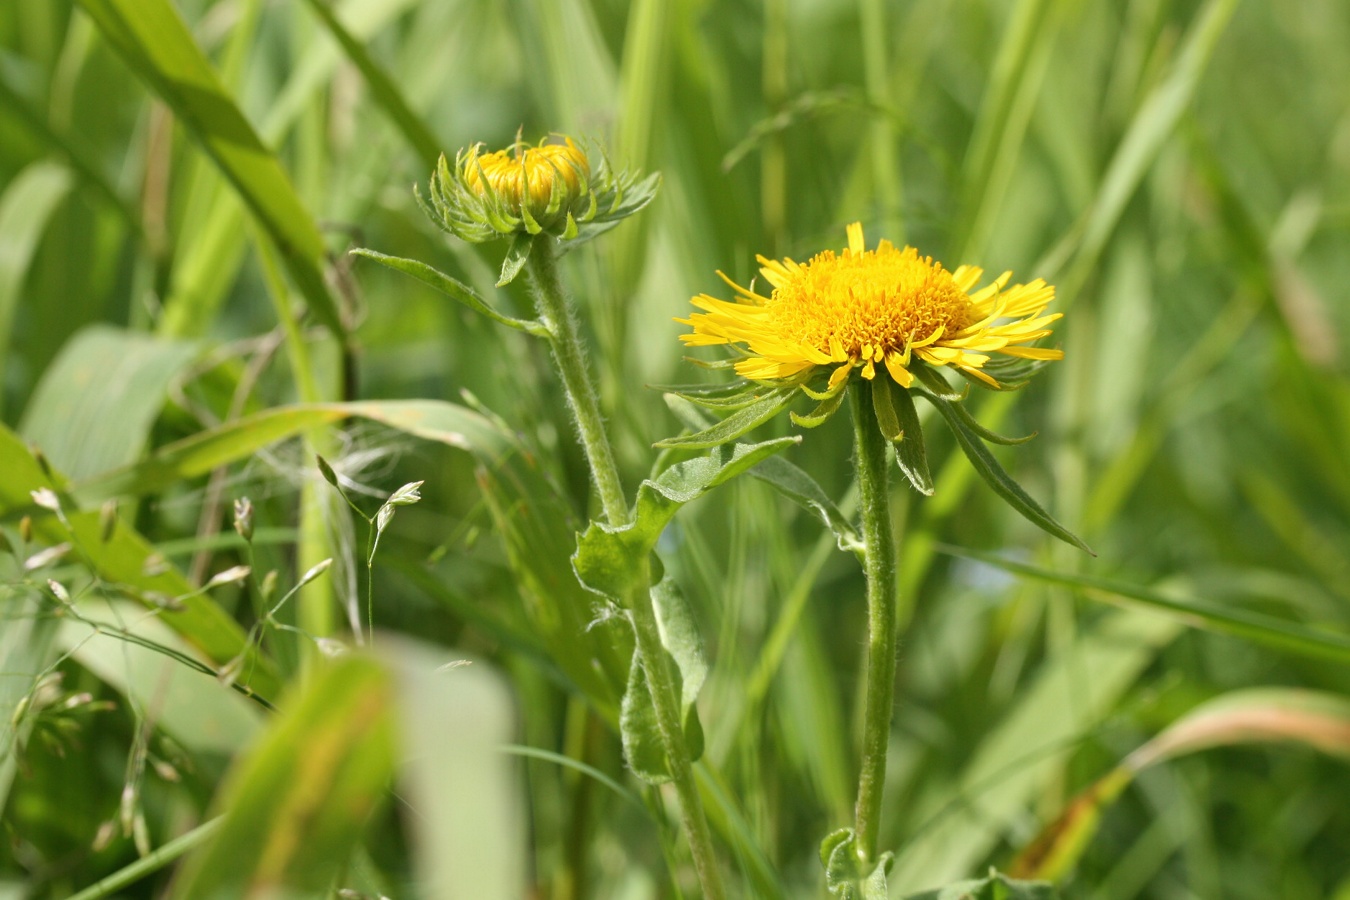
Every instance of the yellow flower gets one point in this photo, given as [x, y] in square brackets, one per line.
[869, 310]
[526, 176]
[553, 187]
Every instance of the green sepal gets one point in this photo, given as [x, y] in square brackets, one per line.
[992, 437]
[910, 452]
[998, 479]
[995, 887]
[737, 396]
[821, 414]
[939, 385]
[456, 290]
[795, 484]
[884, 407]
[736, 424]
[842, 878]
[516, 257]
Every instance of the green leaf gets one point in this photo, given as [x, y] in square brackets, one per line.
[643, 747]
[516, 256]
[992, 437]
[28, 202]
[452, 288]
[384, 90]
[736, 424]
[996, 887]
[200, 714]
[994, 475]
[1253, 626]
[793, 482]
[95, 404]
[842, 878]
[465, 789]
[446, 423]
[608, 559]
[152, 39]
[910, 452]
[296, 806]
[126, 558]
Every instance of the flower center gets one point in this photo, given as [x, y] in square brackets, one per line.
[526, 174]
[883, 299]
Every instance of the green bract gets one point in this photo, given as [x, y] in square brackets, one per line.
[547, 188]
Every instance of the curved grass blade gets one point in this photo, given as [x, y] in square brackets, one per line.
[1256, 627]
[153, 40]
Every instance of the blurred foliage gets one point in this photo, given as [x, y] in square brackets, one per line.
[179, 183]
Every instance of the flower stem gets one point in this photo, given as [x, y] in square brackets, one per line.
[571, 360]
[567, 352]
[874, 494]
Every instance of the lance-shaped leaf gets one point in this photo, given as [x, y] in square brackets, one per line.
[643, 745]
[452, 288]
[997, 478]
[608, 559]
[736, 424]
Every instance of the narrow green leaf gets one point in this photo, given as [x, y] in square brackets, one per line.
[383, 89]
[910, 451]
[992, 437]
[994, 475]
[1252, 626]
[296, 806]
[152, 39]
[452, 288]
[736, 424]
[516, 256]
[793, 482]
[25, 207]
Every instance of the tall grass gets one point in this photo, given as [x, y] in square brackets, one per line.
[180, 327]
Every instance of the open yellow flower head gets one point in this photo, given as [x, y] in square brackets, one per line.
[883, 310]
[552, 187]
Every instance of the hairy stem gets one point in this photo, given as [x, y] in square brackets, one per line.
[874, 494]
[571, 361]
